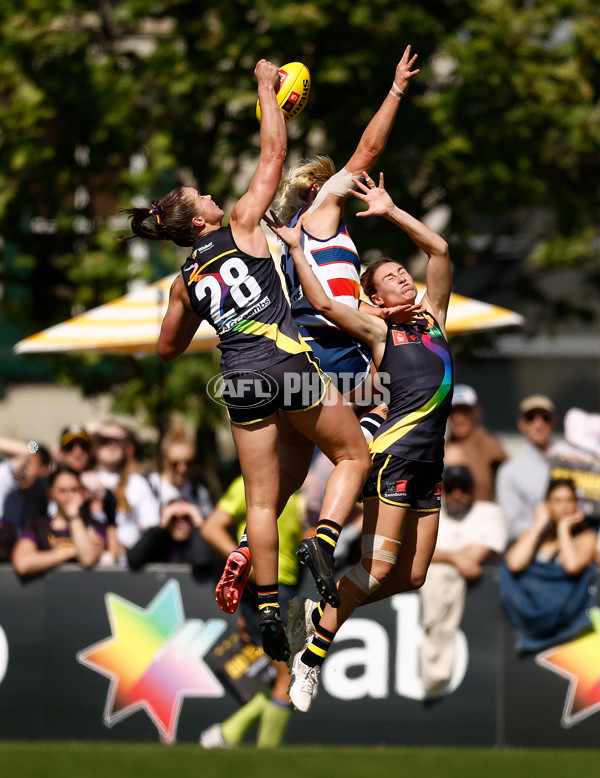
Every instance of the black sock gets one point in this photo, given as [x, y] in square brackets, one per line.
[315, 652]
[268, 597]
[328, 533]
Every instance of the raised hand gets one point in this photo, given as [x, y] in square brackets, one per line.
[404, 71]
[376, 197]
[403, 313]
[266, 73]
[291, 236]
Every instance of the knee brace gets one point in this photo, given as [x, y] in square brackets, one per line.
[380, 548]
[359, 583]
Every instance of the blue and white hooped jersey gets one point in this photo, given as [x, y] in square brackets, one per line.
[336, 264]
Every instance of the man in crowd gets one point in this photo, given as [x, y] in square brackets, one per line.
[471, 532]
[471, 444]
[522, 481]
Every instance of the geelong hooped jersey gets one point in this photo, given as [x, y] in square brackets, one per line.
[242, 297]
[337, 266]
[417, 370]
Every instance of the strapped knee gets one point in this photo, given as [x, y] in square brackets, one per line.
[359, 583]
[380, 548]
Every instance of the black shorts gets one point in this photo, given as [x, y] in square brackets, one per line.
[405, 483]
[294, 384]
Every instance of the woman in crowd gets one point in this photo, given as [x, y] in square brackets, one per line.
[116, 469]
[402, 494]
[68, 536]
[548, 572]
[171, 480]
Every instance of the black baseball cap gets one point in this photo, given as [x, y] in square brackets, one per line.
[457, 475]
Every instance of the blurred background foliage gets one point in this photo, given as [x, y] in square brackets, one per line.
[112, 103]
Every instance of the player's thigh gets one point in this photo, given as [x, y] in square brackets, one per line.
[295, 456]
[333, 427]
[257, 448]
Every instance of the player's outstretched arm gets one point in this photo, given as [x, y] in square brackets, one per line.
[327, 209]
[376, 134]
[248, 211]
[439, 270]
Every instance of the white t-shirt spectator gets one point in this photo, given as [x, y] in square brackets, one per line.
[482, 526]
[144, 508]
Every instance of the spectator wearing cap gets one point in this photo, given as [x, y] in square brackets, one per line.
[471, 444]
[471, 532]
[74, 453]
[522, 480]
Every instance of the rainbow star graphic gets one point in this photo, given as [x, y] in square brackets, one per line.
[579, 662]
[154, 659]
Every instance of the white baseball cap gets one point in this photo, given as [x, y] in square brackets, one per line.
[464, 395]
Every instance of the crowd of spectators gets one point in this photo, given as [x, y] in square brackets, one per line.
[94, 500]
[95, 485]
[522, 513]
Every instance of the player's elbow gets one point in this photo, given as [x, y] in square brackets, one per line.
[322, 305]
[440, 248]
[167, 351]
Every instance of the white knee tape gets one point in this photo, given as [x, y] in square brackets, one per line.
[380, 548]
[361, 579]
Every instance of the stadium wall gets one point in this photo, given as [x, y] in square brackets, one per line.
[109, 655]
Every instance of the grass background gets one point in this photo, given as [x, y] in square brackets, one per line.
[100, 760]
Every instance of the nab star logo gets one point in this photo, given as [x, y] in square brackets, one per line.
[154, 658]
[578, 662]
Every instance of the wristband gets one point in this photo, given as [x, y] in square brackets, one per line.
[396, 91]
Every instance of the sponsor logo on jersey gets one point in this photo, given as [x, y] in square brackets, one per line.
[400, 338]
[204, 248]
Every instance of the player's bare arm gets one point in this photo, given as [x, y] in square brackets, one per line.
[323, 222]
[369, 329]
[439, 271]
[249, 209]
[179, 324]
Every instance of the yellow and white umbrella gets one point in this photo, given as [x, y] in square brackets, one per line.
[128, 325]
[467, 315]
[131, 324]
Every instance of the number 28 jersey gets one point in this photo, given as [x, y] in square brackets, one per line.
[242, 297]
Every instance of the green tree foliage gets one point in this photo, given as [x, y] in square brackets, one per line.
[111, 103]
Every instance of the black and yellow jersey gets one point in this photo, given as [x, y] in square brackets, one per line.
[242, 297]
[417, 370]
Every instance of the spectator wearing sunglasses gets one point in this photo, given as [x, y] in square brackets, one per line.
[117, 467]
[522, 481]
[174, 476]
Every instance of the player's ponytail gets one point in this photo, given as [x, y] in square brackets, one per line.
[169, 218]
